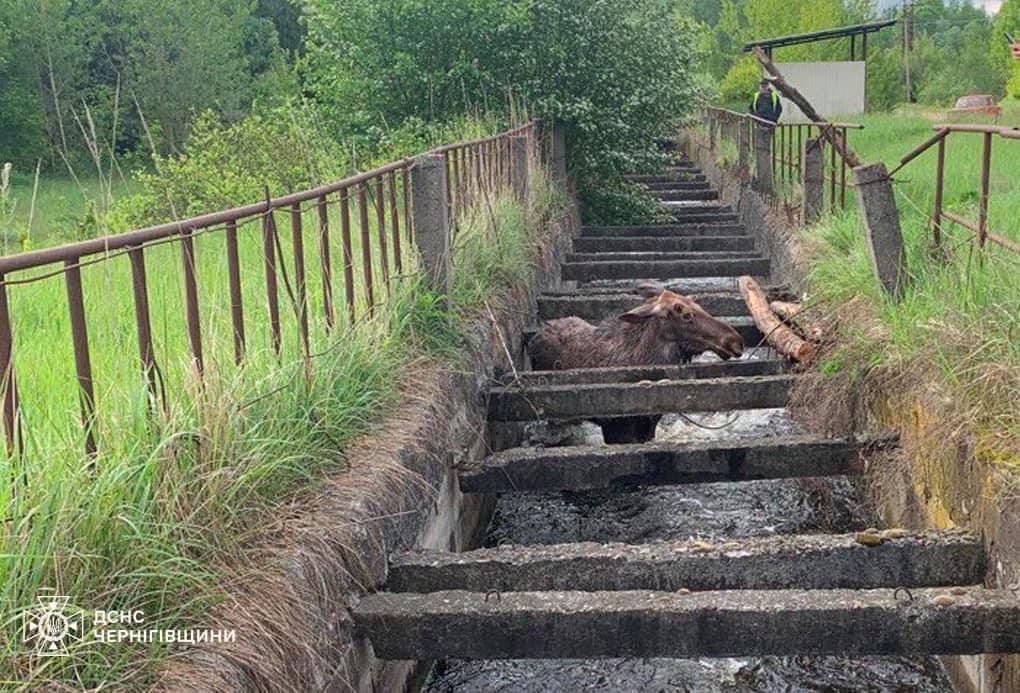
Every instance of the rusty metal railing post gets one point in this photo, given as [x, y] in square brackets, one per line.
[82, 359]
[366, 246]
[142, 321]
[940, 182]
[395, 224]
[327, 269]
[986, 168]
[191, 300]
[236, 300]
[269, 264]
[380, 222]
[298, 248]
[10, 392]
[348, 253]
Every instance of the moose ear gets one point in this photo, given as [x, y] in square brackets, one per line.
[649, 290]
[640, 314]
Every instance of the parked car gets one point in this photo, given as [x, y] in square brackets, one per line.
[980, 104]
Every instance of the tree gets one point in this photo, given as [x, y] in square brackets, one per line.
[615, 72]
[1006, 21]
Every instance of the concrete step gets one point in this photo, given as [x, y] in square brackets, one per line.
[696, 207]
[776, 292]
[664, 256]
[663, 269]
[598, 307]
[682, 285]
[691, 176]
[733, 623]
[744, 325]
[804, 561]
[678, 185]
[636, 242]
[580, 468]
[567, 402]
[734, 368]
[687, 230]
[685, 195]
[696, 217]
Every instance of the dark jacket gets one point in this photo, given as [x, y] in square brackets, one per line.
[767, 107]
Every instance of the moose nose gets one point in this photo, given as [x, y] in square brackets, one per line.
[734, 346]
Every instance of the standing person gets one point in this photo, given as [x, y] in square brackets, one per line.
[766, 103]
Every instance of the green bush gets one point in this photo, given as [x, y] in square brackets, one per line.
[617, 74]
[227, 165]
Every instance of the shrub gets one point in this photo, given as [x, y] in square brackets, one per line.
[226, 165]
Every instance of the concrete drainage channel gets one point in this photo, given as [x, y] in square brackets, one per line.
[732, 553]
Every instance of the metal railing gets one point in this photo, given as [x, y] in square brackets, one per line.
[980, 227]
[375, 205]
[788, 142]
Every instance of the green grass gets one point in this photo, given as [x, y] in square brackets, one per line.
[955, 338]
[63, 210]
[153, 521]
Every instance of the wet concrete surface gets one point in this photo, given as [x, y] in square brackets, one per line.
[710, 511]
[759, 675]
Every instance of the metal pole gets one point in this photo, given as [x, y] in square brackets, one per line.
[940, 176]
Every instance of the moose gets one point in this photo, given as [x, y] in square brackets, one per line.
[666, 329]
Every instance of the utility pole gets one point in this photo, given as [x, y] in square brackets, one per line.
[908, 42]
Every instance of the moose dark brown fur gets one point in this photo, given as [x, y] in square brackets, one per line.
[667, 329]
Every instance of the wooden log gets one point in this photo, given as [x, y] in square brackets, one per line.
[790, 92]
[785, 340]
[791, 314]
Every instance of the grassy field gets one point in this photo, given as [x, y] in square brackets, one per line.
[152, 520]
[955, 337]
[64, 209]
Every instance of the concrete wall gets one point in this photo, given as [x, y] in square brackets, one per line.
[833, 88]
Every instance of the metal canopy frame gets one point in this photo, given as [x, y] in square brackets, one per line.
[853, 32]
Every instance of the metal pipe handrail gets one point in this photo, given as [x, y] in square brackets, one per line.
[138, 237]
[980, 228]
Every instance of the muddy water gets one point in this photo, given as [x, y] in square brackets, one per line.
[646, 514]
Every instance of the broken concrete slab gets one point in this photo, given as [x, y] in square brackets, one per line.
[820, 561]
[664, 230]
[664, 269]
[663, 243]
[632, 374]
[735, 623]
[586, 468]
[565, 402]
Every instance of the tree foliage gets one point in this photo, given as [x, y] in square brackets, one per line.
[112, 69]
[615, 72]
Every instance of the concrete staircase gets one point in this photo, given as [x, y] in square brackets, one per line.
[871, 592]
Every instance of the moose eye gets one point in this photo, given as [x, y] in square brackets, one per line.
[683, 314]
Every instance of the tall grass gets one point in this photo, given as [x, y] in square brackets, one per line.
[955, 337]
[154, 521]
